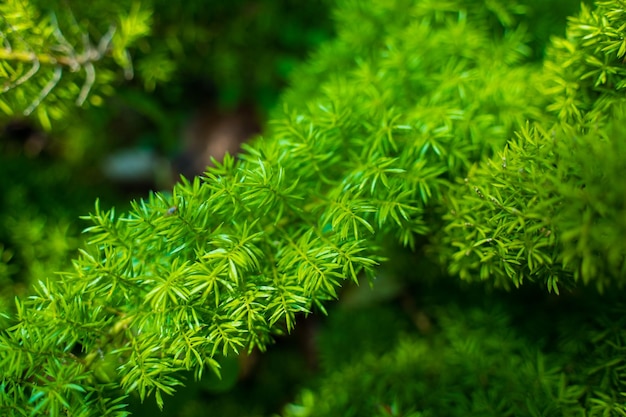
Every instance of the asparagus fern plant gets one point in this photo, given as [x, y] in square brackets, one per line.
[427, 123]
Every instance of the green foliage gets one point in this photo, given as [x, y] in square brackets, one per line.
[39, 234]
[55, 55]
[52, 57]
[399, 130]
[550, 206]
[245, 48]
[585, 70]
[475, 359]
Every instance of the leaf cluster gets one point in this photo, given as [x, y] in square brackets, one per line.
[585, 70]
[51, 56]
[475, 360]
[549, 207]
[368, 147]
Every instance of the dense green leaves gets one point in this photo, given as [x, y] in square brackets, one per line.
[421, 121]
[585, 72]
[549, 207]
[472, 359]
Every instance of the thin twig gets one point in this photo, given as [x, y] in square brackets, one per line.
[58, 71]
[90, 78]
[105, 41]
[64, 45]
[33, 70]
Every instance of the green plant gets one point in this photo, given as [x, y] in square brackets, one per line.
[399, 130]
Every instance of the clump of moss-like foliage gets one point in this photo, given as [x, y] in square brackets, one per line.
[430, 124]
